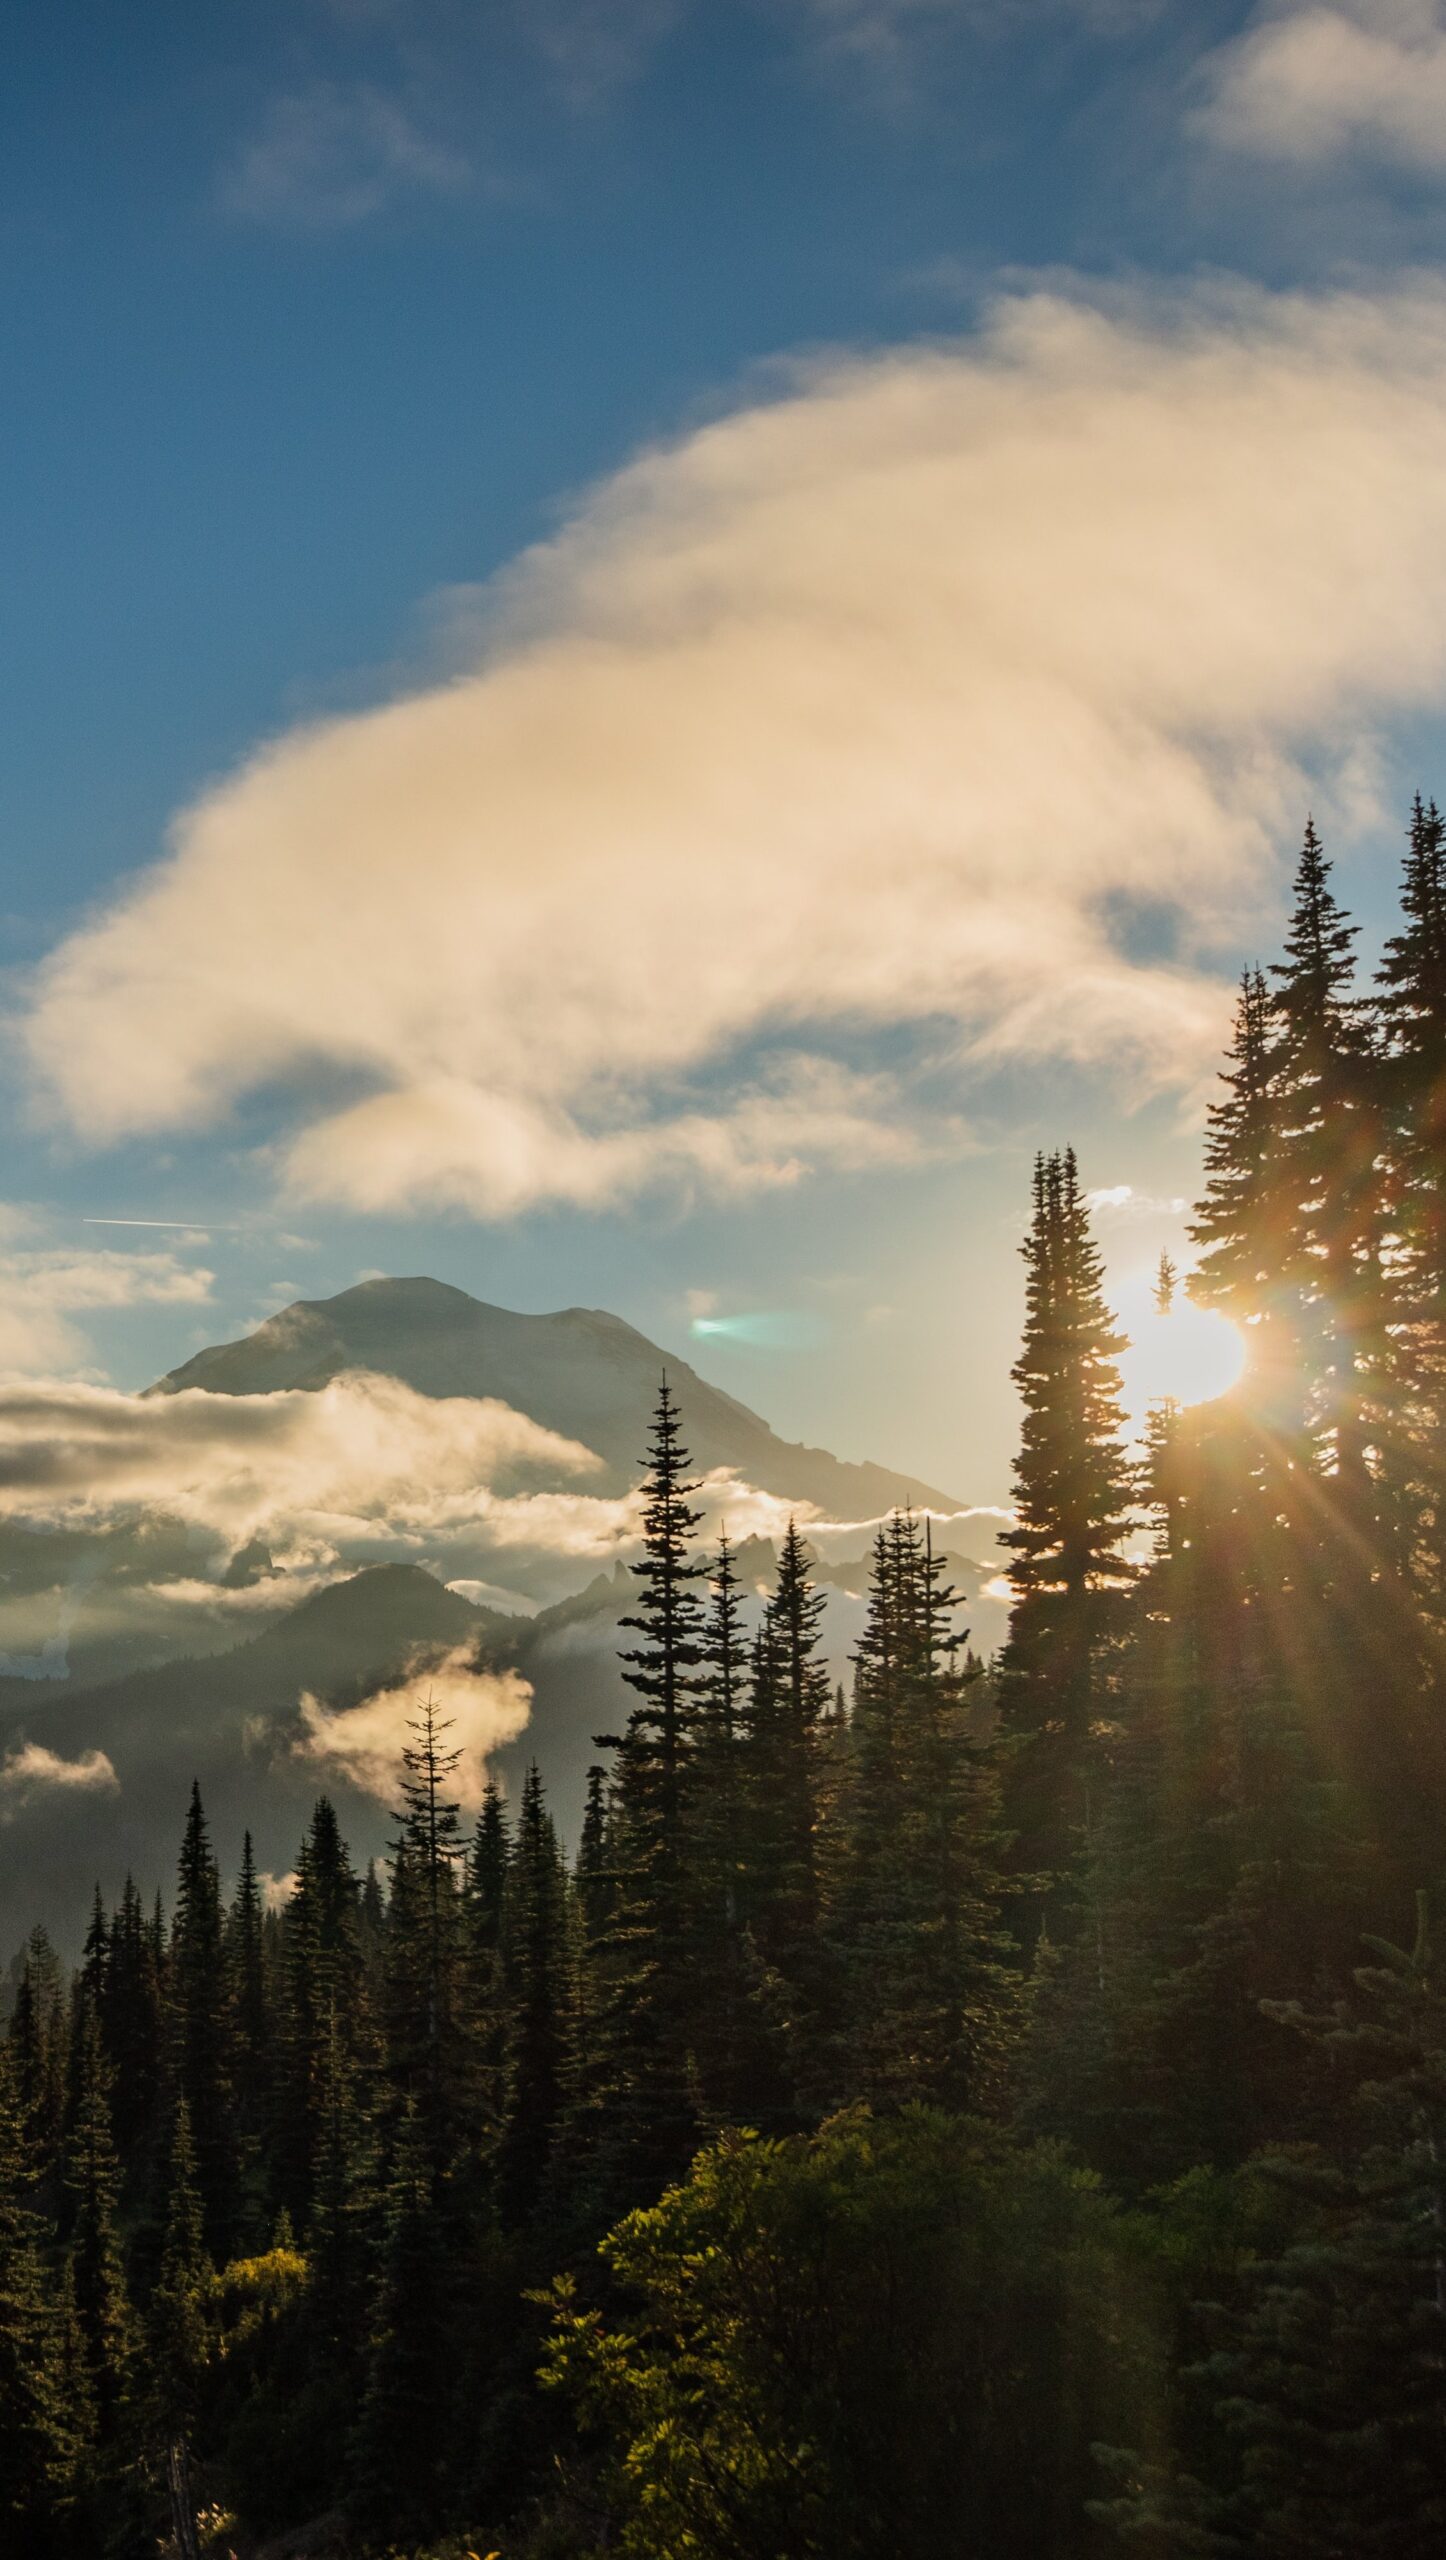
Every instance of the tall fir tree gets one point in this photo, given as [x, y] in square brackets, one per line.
[97, 2270]
[538, 1991]
[200, 2027]
[1071, 1573]
[41, 2438]
[647, 2069]
[425, 1986]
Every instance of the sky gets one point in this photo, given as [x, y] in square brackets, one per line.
[646, 642]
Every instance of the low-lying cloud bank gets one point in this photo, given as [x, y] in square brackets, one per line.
[968, 687]
[480, 1711]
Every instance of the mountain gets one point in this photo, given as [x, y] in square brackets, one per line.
[580, 1372]
[228, 1720]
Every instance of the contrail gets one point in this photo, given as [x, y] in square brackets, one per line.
[192, 1225]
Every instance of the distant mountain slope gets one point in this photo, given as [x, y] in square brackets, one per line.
[224, 1720]
[580, 1372]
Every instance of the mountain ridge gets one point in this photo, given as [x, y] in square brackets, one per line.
[579, 1371]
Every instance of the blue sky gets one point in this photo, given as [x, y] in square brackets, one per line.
[319, 316]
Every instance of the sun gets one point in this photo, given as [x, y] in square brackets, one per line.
[1189, 1355]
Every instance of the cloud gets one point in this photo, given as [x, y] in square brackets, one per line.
[29, 1769]
[885, 701]
[481, 1709]
[1316, 84]
[42, 1287]
[333, 154]
[362, 1449]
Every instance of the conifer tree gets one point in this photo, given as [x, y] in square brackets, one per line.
[1411, 1006]
[648, 2029]
[424, 1941]
[340, 2229]
[323, 1987]
[790, 1693]
[133, 2026]
[1326, 1147]
[737, 2078]
[536, 1976]
[177, 2324]
[932, 2000]
[402, 2441]
[97, 2271]
[1073, 1494]
[485, 1894]
[38, 2042]
[200, 2026]
[39, 2445]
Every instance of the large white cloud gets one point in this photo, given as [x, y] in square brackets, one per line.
[899, 697]
[362, 1449]
[1323, 83]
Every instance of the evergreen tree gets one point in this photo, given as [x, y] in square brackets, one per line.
[323, 1996]
[177, 2327]
[488, 1862]
[39, 2444]
[790, 1693]
[932, 2000]
[401, 2450]
[424, 1941]
[38, 2043]
[97, 2271]
[200, 2026]
[1326, 1146]
[133, 2027]
[1073, 1497]
[648, 2030]
[1412, 1010]
[536, 1972]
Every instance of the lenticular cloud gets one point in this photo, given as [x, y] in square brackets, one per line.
[897, 698]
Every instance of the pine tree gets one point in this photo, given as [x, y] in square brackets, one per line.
[737, 2078]
[1074, 1495]
[648, 2030]
[424, 1962]
[200, 2023]
[485, 1894]
[177, 2327]
[322, 1996]
[97, 2272]
[536, 1973]
[1326, 1147]
[133, 2026]
[38, 2043]
[1411, 1007]
[401, 2449]
[39, 2445]
[932, 1999]
[790, 1693]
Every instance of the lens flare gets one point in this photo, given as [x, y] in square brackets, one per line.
[1190, 1355]
[766, 1330]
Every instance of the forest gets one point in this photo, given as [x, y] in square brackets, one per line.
[987, 2108]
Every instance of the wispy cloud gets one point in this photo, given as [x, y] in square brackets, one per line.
[30, 1769]
[42, 1288]
[333, 154]
[1320, 83]
[789, 679]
